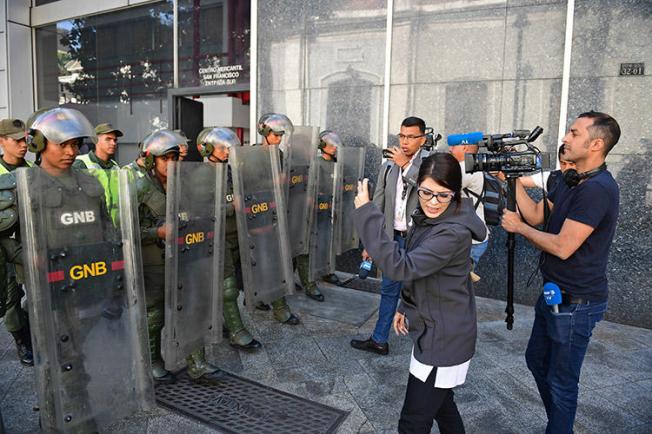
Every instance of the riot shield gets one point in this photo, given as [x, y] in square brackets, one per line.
[261, 217]
[193, 260]
[351, 168]
[305, 141]
[322, 254]
[87, 303]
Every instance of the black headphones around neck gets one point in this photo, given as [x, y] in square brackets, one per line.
[572, 177]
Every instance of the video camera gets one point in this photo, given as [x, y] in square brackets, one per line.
[502, 155]
[431, 142]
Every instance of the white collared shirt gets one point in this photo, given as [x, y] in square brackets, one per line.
[400, 207]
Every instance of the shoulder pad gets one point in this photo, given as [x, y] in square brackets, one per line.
[150, 196]
[8, 218]
[143, 185]
[8, 181]
[90, 185]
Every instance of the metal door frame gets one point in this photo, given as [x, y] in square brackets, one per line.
[185, 92]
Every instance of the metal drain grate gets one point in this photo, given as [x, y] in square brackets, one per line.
[238, 405]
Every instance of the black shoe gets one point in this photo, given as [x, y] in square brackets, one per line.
[318, 297]
[333, 279]
[24, 346]
[263, 306]
[371, 346]
[211, 377]
[253, 345]
[298, 287]
[293, 320]
[168, 378]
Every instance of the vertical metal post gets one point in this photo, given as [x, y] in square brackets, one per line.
[253, 72]
[175, 43]
[565, 78]
[388, 71]
[34, 66]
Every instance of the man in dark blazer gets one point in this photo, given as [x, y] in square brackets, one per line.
[396, 196]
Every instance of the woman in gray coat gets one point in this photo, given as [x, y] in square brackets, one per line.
[437, 307]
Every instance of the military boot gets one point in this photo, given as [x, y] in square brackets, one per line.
[303, 267]
[154, 326]
[24, 346]
[282, 312]
[239, 336]
[199, 370]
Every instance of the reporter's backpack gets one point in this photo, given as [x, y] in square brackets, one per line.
[493, 198]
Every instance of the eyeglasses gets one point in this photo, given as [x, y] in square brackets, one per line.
[442, 197]
[409, 137]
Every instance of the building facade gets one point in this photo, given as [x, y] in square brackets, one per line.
[358, 67]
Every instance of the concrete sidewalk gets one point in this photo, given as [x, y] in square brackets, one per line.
[314, 360]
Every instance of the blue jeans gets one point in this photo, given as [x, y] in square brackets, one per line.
[390, 291]
[477, 250]
[555, 354]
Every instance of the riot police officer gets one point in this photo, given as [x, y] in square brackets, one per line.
[275, 129]
[214, 145]
[329, 142]
[87, 317]
[158, 149]
[12, 140]
[55, 136]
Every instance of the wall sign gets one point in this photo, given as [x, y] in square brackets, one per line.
[632, 69]
[225, 75]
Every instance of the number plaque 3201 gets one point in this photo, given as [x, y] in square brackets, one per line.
[632, 69]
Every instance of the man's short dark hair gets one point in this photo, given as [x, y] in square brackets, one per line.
[604, 127]
[414, 121]
[561, 151]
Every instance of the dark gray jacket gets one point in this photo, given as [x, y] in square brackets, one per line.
[385, 193]
[437, 297]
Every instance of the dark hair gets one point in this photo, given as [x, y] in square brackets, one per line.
[561, 151]
[414, 121]
[445, 170]
[604, 127]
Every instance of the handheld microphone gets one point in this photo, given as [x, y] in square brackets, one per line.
[365, 268]
[465, 139]
[552, 294]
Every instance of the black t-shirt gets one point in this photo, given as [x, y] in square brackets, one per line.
[594, 202]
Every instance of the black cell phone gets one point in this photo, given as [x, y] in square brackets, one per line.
[387, 153]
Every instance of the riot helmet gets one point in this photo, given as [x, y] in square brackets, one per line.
[212, 138]
[58, 125]
[329, 138]
[276, 123]
[159, 143]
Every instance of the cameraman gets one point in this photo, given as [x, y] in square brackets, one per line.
[575, 248]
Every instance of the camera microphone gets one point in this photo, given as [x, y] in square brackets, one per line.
[476, 137]
[552, 294]
[465, 139]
